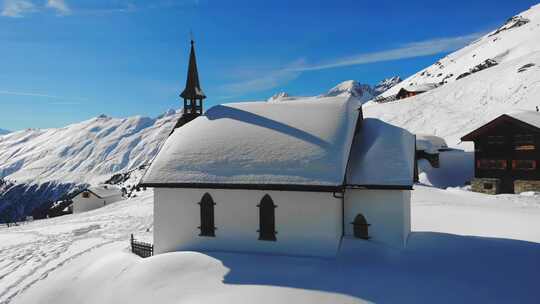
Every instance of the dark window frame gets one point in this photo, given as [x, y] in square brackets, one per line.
[207, 219]
[491, 164]
[267, 219]
[524, 142]
[496, 140]
[361, 227]
[516, 166]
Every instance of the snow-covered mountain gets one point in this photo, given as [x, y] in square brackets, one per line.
[40, 166]
[4, 131]
[278, 97]
[363, 92]
[84, 152]
[496, 74]
[386, 84]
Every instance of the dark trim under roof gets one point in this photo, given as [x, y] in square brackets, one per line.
[495, 122]
[88, 190]
[380, 187]
[276, 187]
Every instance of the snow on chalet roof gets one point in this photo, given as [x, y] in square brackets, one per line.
[105, 191]
[423, 87]
[530, 117]
[382, 155]
[302, 142]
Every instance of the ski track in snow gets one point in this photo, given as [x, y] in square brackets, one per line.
[45, 248]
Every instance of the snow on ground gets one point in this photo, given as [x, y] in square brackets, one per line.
[30, 252]
[465, 247]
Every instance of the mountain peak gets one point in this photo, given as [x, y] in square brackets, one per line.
[278, 96]
[386, 84]
[4, 131]
[351, 88]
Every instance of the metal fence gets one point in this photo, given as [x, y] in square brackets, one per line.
[141, 249]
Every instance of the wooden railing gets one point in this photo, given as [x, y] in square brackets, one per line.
[141, 249]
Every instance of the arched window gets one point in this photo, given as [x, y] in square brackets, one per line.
[267, 219]
[207, 216]
[360, 227]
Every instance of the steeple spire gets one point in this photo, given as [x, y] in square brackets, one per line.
[193, 95]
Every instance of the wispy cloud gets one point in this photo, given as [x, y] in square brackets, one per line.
[409, 50]
[22, 8]
[59, 6]
[17, 8]
[269, 80]
[63, 100]
[286, 74]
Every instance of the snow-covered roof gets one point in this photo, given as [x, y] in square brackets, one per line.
[104, 191]
[290, 144]
[530, 117]
[422, 87]
[430, 143]
[382, 155]
[302, 142]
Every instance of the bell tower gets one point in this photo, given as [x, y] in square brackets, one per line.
[192, 95]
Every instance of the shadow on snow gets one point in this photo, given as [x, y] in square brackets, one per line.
[435, 267]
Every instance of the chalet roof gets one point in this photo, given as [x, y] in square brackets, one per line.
[104, 191]
[297, 145]
[529, 119]
[193, 88]
[423, 87]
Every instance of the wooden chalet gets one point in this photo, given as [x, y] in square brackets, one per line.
[507, 154]
[414, 90]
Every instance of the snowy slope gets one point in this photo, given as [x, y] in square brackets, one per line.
[4, 131]
[85, 152]
[461, 105]
[458, 239]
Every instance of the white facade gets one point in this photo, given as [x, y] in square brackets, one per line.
[388, 213]
[307, 223]
[95, 198]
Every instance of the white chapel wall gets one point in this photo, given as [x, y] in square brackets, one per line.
[307, 223]
[388, 212]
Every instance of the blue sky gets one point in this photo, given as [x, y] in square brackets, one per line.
[63, 61]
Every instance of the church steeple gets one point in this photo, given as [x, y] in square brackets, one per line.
[193, 95]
